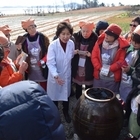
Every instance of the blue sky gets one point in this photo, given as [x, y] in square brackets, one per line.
[54, 2]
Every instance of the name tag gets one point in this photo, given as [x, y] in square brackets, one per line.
[82, 62]
[105, 70]
[124, 76]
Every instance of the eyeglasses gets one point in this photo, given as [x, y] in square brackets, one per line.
[31, 27]
[8, 35]
[7, 46]
[133, 25]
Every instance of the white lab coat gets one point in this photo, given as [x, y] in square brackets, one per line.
[59, 64]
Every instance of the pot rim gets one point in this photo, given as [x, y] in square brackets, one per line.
[99, 100]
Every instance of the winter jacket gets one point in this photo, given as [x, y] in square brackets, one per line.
[8, 75]
[88, 65]
[138, 115]
[27, 113]
[115, 67]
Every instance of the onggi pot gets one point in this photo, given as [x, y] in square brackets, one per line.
[98, 115]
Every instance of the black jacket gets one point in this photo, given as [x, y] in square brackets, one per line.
[88, 64]
[27, 113]
[138, 115]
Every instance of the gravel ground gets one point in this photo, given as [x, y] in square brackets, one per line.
[69, 131]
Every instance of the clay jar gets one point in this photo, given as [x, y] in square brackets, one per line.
[98, 115]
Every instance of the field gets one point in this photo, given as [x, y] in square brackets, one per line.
[47, 24]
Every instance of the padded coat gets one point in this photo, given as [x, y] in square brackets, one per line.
[27, 113]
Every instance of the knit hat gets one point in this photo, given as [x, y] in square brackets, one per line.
[5, 29]
[101, 25]
[26, 23]
[3, 39]
[113, 30]
[89, 25]
[137, 30]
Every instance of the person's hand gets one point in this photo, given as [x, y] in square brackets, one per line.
[88, 54]
[76, 51]
[23, 67]
[59, 81]
[18, 59]
[125, 68]
[19, 47]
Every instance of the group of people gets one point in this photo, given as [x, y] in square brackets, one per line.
[100, 58]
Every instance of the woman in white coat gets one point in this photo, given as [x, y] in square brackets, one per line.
[60, 53]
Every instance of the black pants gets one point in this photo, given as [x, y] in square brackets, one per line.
[65, 105]
[79, 90]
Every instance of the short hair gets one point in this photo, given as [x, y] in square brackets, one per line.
[135, 37]
[63, 25]
[136, 19]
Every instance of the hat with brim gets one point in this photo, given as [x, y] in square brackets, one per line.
[111, 34]
[89, 25]
[3, 39]
[113, 30]
[26, 23]
[66, 20]
[5, 29]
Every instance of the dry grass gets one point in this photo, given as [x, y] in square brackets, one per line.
[123, 20]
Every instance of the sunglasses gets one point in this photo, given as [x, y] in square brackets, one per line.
[133, 25]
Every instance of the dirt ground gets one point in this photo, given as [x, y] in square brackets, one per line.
[47, 24]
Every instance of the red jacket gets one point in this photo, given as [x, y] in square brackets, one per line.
[115, 67]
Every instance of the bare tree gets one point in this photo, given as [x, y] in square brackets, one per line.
[50, 9]
[56, 6]
[120, 4]
[95, 3]
[113, 5]
[64, 6]
[102, 4]
[91, 3]
[87, 3]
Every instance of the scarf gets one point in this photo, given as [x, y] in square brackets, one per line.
[108, 46]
